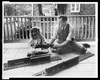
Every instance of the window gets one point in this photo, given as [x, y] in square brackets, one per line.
[75, 7]
[48, 9]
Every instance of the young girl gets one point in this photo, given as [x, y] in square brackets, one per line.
[36, 38]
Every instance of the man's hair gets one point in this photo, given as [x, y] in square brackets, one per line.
[64, 18]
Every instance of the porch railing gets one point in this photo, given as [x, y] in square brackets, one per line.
[18, 28]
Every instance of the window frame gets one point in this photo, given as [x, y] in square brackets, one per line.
[75, 7]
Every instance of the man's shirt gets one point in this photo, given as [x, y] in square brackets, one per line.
[70, 35]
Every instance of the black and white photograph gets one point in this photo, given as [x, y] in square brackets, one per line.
[49, 39]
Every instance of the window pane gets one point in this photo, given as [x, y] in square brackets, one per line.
[73, 5]
[73, 9]
[77, 7]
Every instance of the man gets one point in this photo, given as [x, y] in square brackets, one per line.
[64, 35]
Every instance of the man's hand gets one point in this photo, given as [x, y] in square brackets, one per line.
[56, 46]
[32, 46]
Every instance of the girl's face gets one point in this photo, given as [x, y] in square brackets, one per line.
[35, 33]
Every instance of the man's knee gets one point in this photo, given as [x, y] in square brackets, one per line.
[77, 47]
[64, 50]
[83, 50]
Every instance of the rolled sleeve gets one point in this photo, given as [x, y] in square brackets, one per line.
[71, 34]
[55, 32]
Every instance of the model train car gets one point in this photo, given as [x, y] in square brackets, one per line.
[38, 53]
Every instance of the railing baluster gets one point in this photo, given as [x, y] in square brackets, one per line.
[92, 23]
[11, 28]
[47, 28]
[39, 22]
[89, 28]
[22, 28]
[86, 29]
[4, 36]
[75, 25]
[36, 22]
[71, 21]
[40, 25]
[32, 22]
[15, 37]
[68, 20]
[43, 27]
[82, 27]
[78, 27]
[92, 27]
[7, 27]
[51, 27]
[50, 32]
[26, 29]
[19, 28]
[30, 25]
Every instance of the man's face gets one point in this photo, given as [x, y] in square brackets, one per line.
[61, 22]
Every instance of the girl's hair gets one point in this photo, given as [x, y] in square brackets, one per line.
[35, 29]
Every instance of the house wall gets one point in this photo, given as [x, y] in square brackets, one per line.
[85, 9]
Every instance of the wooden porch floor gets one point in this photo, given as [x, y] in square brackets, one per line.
[86, 68]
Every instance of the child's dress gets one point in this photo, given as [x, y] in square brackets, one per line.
[39, 41]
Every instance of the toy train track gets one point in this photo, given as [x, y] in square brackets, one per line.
[85, 56]
[63, 65]
[12, 64]
[58, 67]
